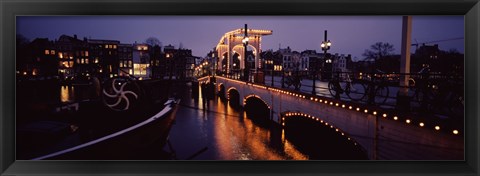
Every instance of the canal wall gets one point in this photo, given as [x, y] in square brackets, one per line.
[382, 136]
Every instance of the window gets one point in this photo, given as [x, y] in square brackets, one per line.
[52, 52]
[47, 52]
[78, 61]
[86, 53]
[86, 61]
[60, 55]
[121, 64]
[140, 69]
[114, 46]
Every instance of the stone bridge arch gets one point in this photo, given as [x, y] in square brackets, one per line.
[221, 91]
[234, 96]
[256, 96]
[359, 149]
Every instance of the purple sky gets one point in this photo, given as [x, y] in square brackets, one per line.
[349, 34]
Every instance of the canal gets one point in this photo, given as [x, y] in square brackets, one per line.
[216, 130]
[220, 130]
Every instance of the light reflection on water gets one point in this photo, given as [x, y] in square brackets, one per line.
[227, 132]
[67, 94]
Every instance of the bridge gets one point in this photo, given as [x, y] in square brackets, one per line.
[382, 133]
[231, 43]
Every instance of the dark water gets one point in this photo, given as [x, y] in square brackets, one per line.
[221, 131]
[216, 131]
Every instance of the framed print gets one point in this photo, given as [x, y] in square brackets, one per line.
[197, 88]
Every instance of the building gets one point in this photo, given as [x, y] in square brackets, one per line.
[104, 54]
[157, 56]
[141, 60]
[125, 59]
[74, 57]
[177, 63]
[42, 60]
[340, 62]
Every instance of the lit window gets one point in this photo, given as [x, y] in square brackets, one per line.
[70, 63]
[78, 61]
[47, 52]
[52, 52]
[121, 64]
[140, 69]
[83, 61]
[86, 53]
[106, 46]
[114, 46]
[86, 61]
[96, 60]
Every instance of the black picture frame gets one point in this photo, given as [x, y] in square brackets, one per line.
[10, 9]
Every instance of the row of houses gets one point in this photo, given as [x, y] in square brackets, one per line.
[71, 58]
[440, 62]
[284, 59]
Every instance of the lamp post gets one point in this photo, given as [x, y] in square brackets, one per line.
[245, 44]
[272, 65]
[325, 46]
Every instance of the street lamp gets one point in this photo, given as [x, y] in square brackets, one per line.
[245, 44]
[325, 46]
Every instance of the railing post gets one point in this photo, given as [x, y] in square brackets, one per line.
[338, 87]
[273, 73]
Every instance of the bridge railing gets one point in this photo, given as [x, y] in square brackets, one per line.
[428, 93]
[429, 119]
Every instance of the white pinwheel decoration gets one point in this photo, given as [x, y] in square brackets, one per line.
[119, 95]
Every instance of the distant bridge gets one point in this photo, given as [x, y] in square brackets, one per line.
[383, 134]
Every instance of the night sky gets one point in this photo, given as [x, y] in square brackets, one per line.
[348, 34]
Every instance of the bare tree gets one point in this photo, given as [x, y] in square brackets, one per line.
[378, 51]
[153, 41]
